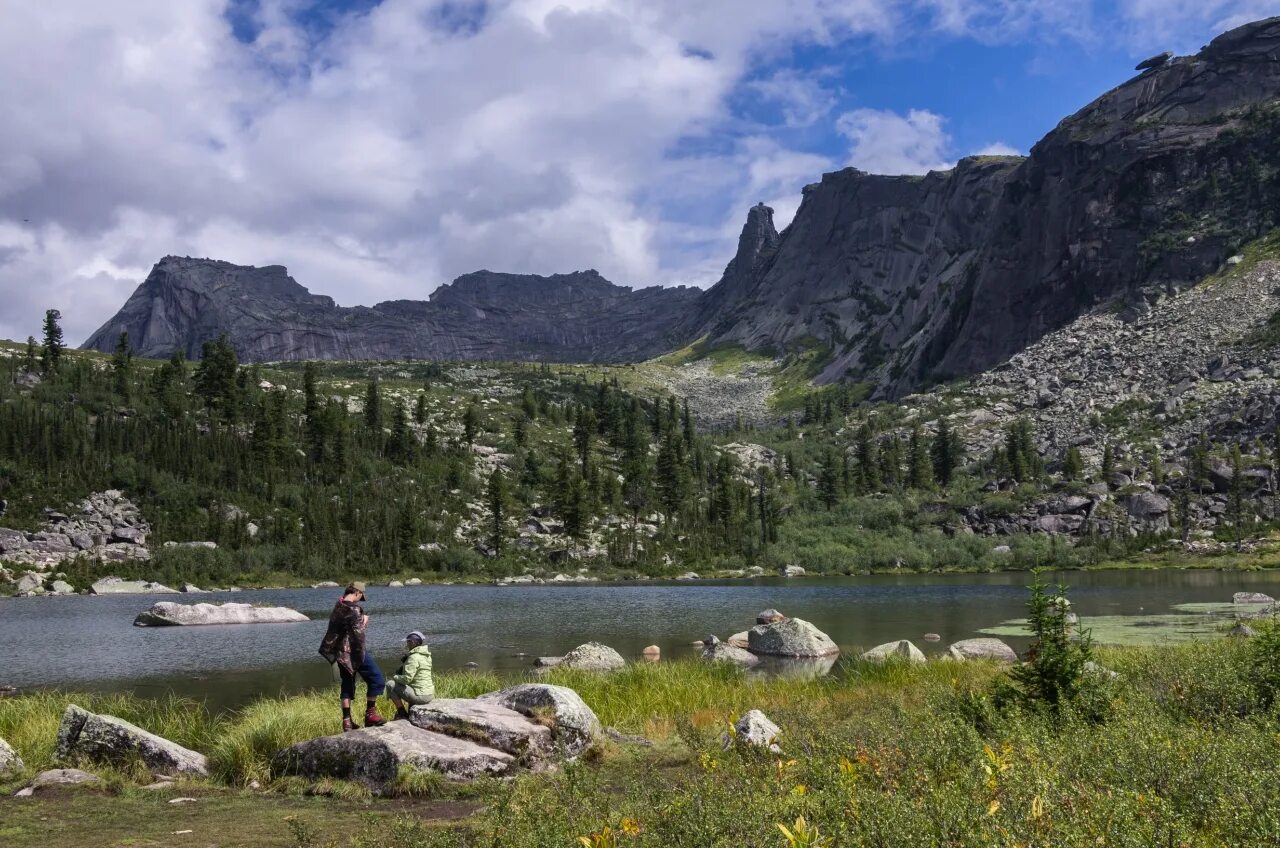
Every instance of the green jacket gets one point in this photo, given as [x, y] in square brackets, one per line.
[415, 671]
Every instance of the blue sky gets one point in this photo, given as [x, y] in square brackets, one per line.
[380, 148]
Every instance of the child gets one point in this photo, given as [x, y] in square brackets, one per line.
[412, 684]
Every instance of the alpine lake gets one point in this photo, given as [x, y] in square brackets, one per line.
[90, 643]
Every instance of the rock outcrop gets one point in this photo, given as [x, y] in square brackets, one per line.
[105, 526]
[107, 739]
[484, 721]
[791, 637]
[574, 726]
[168, 614]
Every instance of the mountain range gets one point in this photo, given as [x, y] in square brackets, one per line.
[903, 281]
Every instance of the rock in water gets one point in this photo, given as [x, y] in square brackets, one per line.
[769, 616]
[486, 722]
[755, 728]
[724, 652]
[107, 739]
[792, 637]
[1252, 598]
[116, 586]
[10, 762]
[900, 651]
[593, 656]
[742, 639]
[574, 727]
[373, 756]
[982, 649]
[169, 614]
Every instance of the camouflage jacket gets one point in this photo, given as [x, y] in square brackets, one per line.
[343, 642]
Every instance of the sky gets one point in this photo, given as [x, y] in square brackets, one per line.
[380, 149]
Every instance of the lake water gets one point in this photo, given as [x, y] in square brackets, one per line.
[89, 642]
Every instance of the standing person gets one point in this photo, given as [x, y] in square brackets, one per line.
[412, 683]
[344, 645]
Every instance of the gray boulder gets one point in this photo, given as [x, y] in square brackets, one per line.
[1149, 508]
[740, 640]
[488, 723]
[169, 614]
[985, 648]
[900, 651]
[30, 582]
[1252, 598]
[574, 727]
[107, 739]
[373, 756]
[791, 571]
[718, 651]
[61, 587]
[116, 586]
[1243, 631]
[769, 616]
[791, 637]
[57, 777]
[593, 656]
[128, 535]
[10, 762]
[755, 729]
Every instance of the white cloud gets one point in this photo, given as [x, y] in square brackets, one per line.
[424, 139]
[884, 142]
[998, 148]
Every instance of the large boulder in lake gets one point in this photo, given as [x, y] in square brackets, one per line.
[769, 616]
[486, 722]
[373, 756]
[107, 739]
[116, 586]
[10, 762]
[716, 651]
[593, 656]
[169, 614]
[985, 648]
[900, 651]
[574, 726]
[791, 637]
[1252, 598]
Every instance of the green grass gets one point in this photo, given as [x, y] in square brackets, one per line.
[1187, 754]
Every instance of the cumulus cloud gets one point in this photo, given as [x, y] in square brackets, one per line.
[383, 150]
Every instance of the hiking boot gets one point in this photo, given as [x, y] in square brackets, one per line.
[372, 719]
[349, 724]
[401, 715]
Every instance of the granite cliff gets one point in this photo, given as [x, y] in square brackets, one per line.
[903, 281]
[268, 316]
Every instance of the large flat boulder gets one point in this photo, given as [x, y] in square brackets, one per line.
[57, 777]
[593, 656]
[116, 586]
[790, 637]
[985, 648]
[487, 723]
[106, 739]
[574, 726]
[374, 756]
[718, 651]
[169, 614]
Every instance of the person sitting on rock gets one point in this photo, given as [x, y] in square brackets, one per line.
[344, 646]
[412, 683]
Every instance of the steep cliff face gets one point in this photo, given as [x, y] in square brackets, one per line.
[268, 316]
[909, 280]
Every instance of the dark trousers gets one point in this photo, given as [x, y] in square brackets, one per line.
[372, 675]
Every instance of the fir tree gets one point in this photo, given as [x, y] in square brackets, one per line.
[946, 453]
[401, 446]
[1072, 464]
[471, 423]
[420, 410]
[122, 367]
[29, 359]
[584, 427]
[829, 479]
[669, 477]
[373, 408]
[497, 498]
[920, 466]
[216, 379]
[310, 400]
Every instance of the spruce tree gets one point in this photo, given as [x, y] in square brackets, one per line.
[1072, 464]
[373, 408]
[669, 477]
[51, 355]
[31, 357]
[1237, 495]
[420, 410]
[920, 466]
[829, 479]
[216, 379]
[471, 423]
[497, 497]
[122, 367]
[310, 401]
[401, 446]
[946, 452]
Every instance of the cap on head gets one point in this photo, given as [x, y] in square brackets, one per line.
[355, 587]
[416, 634]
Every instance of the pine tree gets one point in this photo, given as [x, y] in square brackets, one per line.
[669, 477]
[1072, 464]
[520, 431]
[1108, 462]
[401, 446]
[920, 466]
[373, 408]
[471, 423]
[946, 452]
[867, 478]
[420, 410]
[829, 479]
[51, 355]
[687, 426]
[310, 399]
[891, 463]
[1237, 495]
[122, 367]
[31, 357]
[497, 497]
[766, 508]
[216, 379]
[584, 427]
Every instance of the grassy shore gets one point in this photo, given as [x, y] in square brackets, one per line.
[1186, 752]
